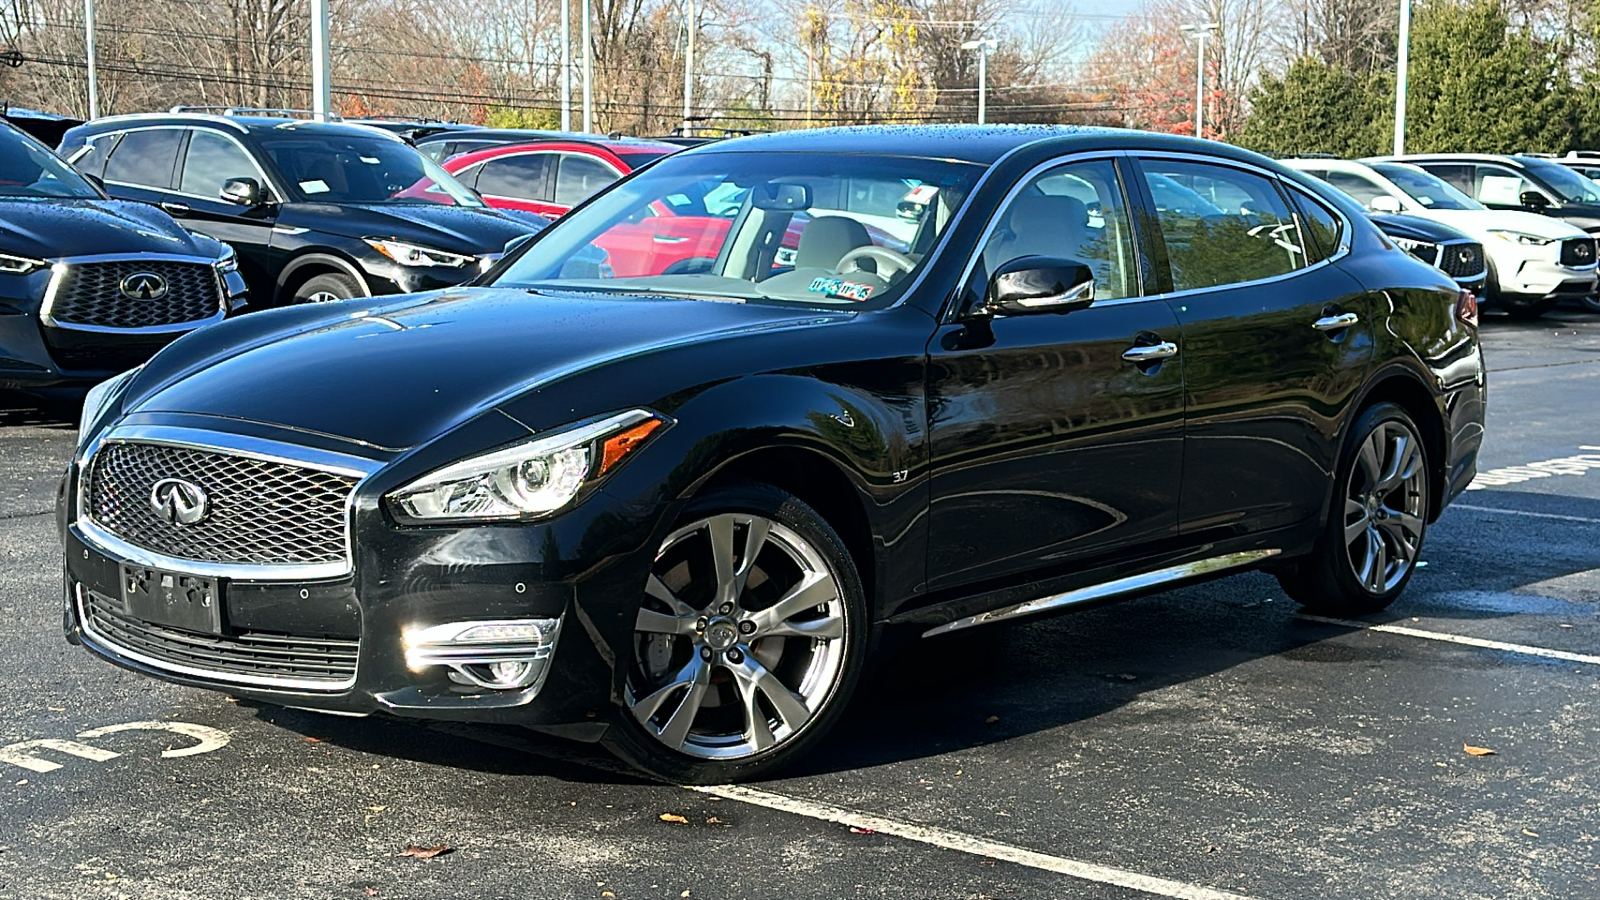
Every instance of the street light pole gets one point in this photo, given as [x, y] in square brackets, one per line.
[588, 72]
[321, 91]
[88, 52]
[566, 65]
[983, 46]
[1200, 32]
[1402, 64]
[688, 70]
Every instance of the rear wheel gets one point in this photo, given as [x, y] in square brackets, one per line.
[1374, 534]
[327, 288]
[748, 641]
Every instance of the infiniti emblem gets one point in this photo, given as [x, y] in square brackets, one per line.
[179, 502]
[144, 286]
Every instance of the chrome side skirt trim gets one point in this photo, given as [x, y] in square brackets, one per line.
[1109, 589]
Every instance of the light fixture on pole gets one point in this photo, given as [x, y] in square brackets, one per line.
[984, 46]
[566, 65]
[88, 52]
[588, 72]
[1402, 64]
[321, 90]
[1200, 33]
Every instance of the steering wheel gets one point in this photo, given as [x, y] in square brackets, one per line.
[894, 259]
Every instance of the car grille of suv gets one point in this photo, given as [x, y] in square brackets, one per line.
[91, 294]
[1461, 260]
[258, 512]
[311, 663]
[1577, 252]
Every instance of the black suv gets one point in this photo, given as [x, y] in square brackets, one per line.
[89, 286]
[317, 210]
[1528, 183]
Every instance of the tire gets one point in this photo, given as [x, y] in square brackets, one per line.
[707, 651]
[1590, 303]
[1347, 573]
[327, 288]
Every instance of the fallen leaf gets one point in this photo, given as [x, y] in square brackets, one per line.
[684, 894]
[607, 894]
[312, 740]
[855, 830]
[674, 818]
[371, 892]
[1476, 751]
[412, 850]
[1530, 833]
[991, 720]
[713, 821]
[376, 809]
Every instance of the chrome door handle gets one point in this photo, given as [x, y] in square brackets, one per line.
[1147, 353]
[667, 239]
[177, 209]
[1336, 323]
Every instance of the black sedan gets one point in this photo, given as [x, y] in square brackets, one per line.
[677, 512]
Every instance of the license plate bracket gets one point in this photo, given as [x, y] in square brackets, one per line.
[186, 602]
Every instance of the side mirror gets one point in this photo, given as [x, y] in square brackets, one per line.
[1535, 201]
[96, 180]
[1039, 284]
[243, 191]
[1384, 203]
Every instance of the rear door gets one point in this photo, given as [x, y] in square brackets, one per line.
[518, 181]
[210, 159]
[1275, 343]
[144, 163]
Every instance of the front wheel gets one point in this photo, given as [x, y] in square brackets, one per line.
[1374, 533]
[749, 640]
[1591, 303]
[327, 288]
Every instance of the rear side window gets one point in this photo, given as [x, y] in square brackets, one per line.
[145, 158]
[515, 177]
[1499, 186]
[211, 160]
[1231, 227]
[92, 158]
[433, 150]
[1459, 176]
[581, 177]
[1322, 228]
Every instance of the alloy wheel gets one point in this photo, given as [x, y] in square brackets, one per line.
[740, 640]
[323, 297]
[1385, 502]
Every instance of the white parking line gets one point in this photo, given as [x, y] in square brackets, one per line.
[1502, 646]
[1531, 515]
[966, 843]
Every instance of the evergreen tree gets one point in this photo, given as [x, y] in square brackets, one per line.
[1319, 108]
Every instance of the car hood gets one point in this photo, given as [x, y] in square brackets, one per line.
[55, 228]
[452, 228]
[1417, 228]
[398, 374]
[1479, 222]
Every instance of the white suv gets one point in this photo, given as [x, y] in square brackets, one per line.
[1534, 260]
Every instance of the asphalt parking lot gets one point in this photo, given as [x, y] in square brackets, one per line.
[1204, 743]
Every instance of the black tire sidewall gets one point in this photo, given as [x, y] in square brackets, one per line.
[629, 740]
[332, 282]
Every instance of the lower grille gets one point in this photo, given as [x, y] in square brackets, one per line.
[1577, 252]
[1461, 260]
[136, 294]
[275, 660]
[103, 358]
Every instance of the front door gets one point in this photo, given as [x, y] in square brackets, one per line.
[1047, 443]
[210, 159]
[1276, 341]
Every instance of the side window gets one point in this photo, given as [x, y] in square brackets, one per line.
[211, 160]
[1322, 227]
[1362, 189]
[92, 155]
[145, 158]
[516, 177]
[1250, 235]
[1072, 212]
[581, 177]
[1499, 186]
[433, 150]
[469, 176]
[1458, 176]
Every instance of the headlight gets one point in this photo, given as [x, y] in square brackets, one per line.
[1426, 251]
[529, 480]
[229, 263]
[413, 255]
[19, 265]
[1521, 237]
[99, 397]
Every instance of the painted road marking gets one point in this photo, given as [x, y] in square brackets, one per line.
[1564, 465]
[18, 754]
[1502, 646]
[22, 753]
[210, 738]
[966, 843]
[1534, 515]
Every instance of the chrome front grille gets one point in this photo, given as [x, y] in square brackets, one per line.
[1461, 260]
[90, 294]
[276, 660]
[1578, 253]
[257, 512]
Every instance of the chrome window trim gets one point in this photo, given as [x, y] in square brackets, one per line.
[59, 267]
[106, 645]
[84, 527]
[266, 182]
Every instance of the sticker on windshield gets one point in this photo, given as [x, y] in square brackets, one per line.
[922, 193]
[838, 287]
[316, 186]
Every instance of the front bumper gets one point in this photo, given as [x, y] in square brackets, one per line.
[1543, 279]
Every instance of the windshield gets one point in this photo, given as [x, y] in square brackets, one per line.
[1567, 185]
[1428, 190]
[340, 168]
[793, 227]
[27, 169]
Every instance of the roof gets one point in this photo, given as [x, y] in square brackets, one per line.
[1504, 158]
[248, 124]
[982, 144]
[533, 135]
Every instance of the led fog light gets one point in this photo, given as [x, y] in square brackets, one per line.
[500, 655]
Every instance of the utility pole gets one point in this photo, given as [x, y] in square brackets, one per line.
[88, 52]
[1401, 66]
[588, 72]
[983, 46]
[566, 65]
[1200, 33]
[321, 90]
[688, 70]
